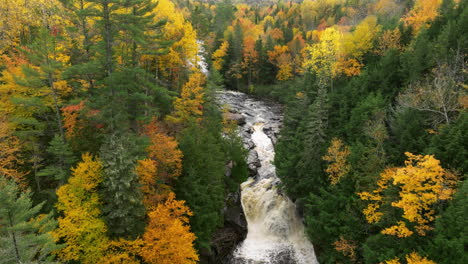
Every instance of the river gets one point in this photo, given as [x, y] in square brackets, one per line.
[275, 232]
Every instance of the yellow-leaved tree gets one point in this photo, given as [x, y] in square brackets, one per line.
[219, 54]
[423, 12]
[336, 157]
[421, 184]
[358, 43]
[281, 57]
[323, 57]
[10, 147]
[184, 48]
[190, 103]
[412, 258]
[81, 226]
[167, 238]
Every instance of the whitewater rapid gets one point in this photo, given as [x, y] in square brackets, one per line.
[275, 231]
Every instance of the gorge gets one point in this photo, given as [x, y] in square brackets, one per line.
[275, 231]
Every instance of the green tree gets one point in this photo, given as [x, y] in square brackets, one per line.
[290, 147]
[24, 235]
[202, 181]
[123, 208]
[61, 159]
[310, 166]
[450, 239]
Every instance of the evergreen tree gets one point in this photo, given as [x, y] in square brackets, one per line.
[47, 62]
[289, 147]
[450, 144]
[123, 208]
[309, 167]
[61, 159]
[202, 181]
[24, 235]
[334, 223]
[449, 244]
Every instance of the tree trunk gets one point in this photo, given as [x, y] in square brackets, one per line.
[15, 243]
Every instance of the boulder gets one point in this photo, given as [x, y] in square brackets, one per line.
[240, 119]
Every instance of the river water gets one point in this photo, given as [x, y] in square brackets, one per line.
[275, 230]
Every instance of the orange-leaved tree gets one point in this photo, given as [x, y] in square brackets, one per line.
[423, 12]
[421, 184]
[10, 146]
[164, 150]
[163, 165]
[71, 121]
[281, 57]
[167, 238]
[146, 170]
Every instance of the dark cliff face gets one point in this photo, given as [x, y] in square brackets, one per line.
[233, 232]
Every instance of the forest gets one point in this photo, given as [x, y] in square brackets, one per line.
[114, 148]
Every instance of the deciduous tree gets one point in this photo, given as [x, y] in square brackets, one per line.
[336, 156]
[423, 11]
[81, 226]
[421, 184]
[189, 106]
[167, 238]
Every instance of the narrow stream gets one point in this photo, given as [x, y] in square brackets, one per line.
[275, 231]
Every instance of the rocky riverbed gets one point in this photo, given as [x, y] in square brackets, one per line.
[261, 223]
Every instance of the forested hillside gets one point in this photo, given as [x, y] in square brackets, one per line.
[113, 147]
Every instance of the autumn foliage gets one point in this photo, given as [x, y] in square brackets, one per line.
[423, 12]
[71, 121]
[164, 151]
[10, 147]
[81, 225]
[189, 106]
[167, 238]
[412, 258]
[336, 156]
[421, 184]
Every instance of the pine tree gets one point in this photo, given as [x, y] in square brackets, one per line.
[309, 167]
[24, 235]
[450, 231]
[47, 61]
[129, 91]
[290, 147]
[60, 162]
[123, 201]
[202, 181]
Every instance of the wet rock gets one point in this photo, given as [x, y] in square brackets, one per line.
[233, 212]
[249, 145]
[253, 162]
[228, 169]
[240, 119]
[245, 135]
[233, 232]
[283, 257]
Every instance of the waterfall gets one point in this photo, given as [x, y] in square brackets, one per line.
[275, 230]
